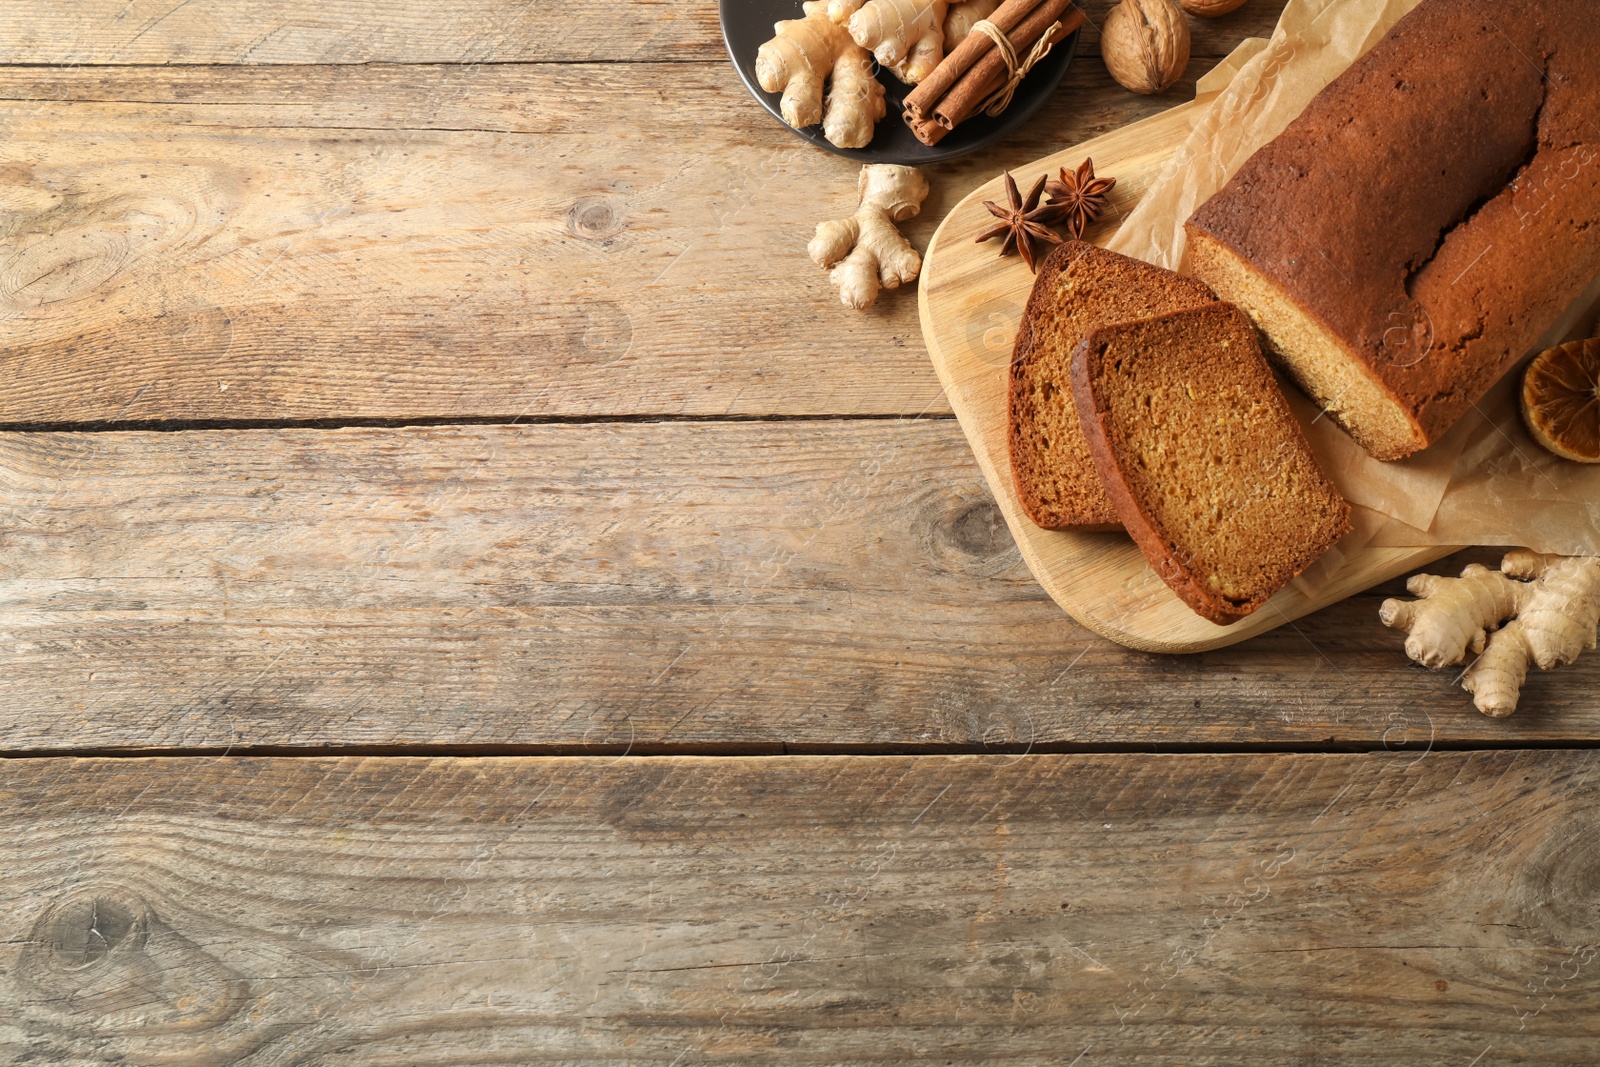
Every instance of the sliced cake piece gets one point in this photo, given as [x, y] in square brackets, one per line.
[1079, 288]
[1202, 458]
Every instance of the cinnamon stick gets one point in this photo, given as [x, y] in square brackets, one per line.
[989, 73]
[927, 131]
[919, 104]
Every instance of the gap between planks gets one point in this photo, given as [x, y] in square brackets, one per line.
[784, 750]
[643, 419]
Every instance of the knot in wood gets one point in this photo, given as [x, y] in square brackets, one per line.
[1558, 890]
[595, 218]
[977, 530]
[85, 928]
[101, 963]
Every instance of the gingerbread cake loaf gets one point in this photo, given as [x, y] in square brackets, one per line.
[1408, 238]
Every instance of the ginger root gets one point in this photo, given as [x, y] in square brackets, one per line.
[805, 54]
[866, 249]
[1553, 603]
[906, 36]
[962, 16]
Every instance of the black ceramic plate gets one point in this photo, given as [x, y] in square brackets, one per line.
[747, 25]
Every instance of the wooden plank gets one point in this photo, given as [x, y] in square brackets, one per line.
[661, 586]
[92, 32]
[1117, 908]
[300, 243]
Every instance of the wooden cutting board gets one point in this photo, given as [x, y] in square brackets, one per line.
[971, 304]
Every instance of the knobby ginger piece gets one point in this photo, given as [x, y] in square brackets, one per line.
[807, 54]
[1553, 603]
[961, 17]
[866, 249]
[907, 36]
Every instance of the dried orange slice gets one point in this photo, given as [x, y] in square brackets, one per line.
[1561, 400]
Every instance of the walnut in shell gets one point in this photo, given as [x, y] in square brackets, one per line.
[1210, 9]
[1145, 44]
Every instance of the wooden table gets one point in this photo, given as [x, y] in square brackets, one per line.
[469, 595]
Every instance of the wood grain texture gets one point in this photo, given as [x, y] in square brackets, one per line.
[94, 32]
[401, 242]
[1150, 909]
[661, 586]
[345, 242]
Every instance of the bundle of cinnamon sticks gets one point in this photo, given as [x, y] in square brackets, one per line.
[971, 74]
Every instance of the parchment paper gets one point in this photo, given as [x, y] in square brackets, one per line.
[1485, 482]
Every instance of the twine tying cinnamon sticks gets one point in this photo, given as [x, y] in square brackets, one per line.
[1016, 69]
[981, 75]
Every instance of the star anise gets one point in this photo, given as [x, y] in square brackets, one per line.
[1024, 222]
[1080, 195]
